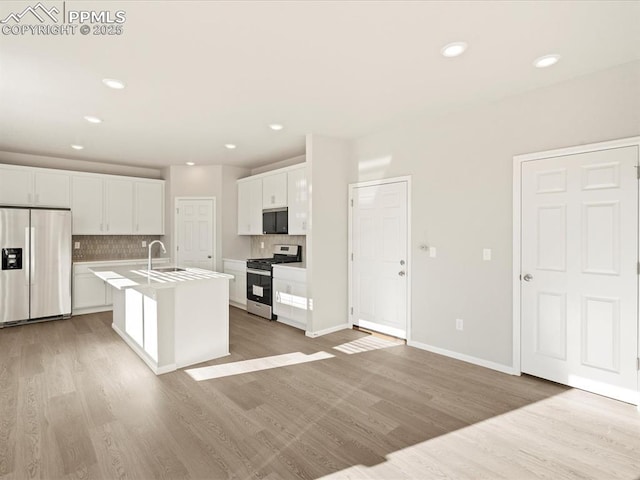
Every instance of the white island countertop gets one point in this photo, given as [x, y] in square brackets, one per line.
[138, 277]
[171, 319]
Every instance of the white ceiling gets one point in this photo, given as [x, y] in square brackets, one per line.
[202, 74]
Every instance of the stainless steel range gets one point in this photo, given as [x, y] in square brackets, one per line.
[260, 279]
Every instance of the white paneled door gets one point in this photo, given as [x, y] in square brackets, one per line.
[379, 258]
[195, 221]
[579, 282]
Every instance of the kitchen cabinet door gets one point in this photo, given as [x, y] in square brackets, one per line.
[274, 191]
[52, 189]
[16, 186]
[298, 198]
[237, 287]
[88, 291]
[87, 205]
[290, 302]
[118, 207]
[149, 208]
[250, 207]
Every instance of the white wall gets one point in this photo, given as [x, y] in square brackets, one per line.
[461, 168]
[233, 245]
[328, 170]
[281, 164]
[77, 165]
[209, 181]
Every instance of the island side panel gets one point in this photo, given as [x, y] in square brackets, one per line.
[201, 321]
[166, 328]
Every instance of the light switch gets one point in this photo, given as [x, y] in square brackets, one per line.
[76, 245]
[432, 252]
[486, 254]
[261, 244]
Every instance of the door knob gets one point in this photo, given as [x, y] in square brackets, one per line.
[401, 273]
[528, 277]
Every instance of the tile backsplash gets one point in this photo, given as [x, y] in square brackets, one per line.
[113, 247]
[271, 240]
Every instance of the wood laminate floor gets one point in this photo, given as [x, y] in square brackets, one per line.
[76, 402]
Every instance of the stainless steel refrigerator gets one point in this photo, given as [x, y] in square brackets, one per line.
[35, 277]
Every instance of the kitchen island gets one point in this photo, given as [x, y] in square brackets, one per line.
[171, 318]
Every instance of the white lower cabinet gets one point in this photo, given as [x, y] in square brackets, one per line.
[290, 302]
[237, 285]
[90, 294]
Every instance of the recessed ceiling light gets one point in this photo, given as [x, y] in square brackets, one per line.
[454, 49]
[230, 146]
[113, 83]
[92, 119]
[77, 147]
[191, 164]
[546, 61]
[276, 126]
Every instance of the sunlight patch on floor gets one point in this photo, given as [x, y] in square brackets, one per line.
[254, 365]
[366, 344]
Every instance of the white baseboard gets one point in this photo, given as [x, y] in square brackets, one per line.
[238, 305]
[84, 311]
[326, 331]
[143, 355]
[465, 358]
[291, 323]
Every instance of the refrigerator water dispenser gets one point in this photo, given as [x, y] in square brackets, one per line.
[11, 259]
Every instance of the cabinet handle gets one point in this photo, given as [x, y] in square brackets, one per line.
[28, 198]
[107, 227]
[37, 198]
[137, 227]
[101, 228]
[273, 199]
[304, 225]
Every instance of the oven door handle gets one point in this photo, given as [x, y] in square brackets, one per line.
[264, 273]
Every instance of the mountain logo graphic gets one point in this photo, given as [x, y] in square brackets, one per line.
[37, 12]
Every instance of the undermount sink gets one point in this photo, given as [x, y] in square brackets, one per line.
[168, 269]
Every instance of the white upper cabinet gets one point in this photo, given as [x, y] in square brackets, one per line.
[283, 188]
[250, 207]
[100, 204]
[112, 205]
[149, 208]
[87, 205]
[26, 186]
[118, 216]
[274, 190]
[16, 186]
[298, 198]
[52, 189]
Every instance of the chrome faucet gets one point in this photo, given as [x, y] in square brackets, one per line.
[151, 245]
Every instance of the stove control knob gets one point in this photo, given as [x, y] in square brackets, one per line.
[401, 273]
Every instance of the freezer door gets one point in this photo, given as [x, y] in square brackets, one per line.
[50, 263]
[14, 282]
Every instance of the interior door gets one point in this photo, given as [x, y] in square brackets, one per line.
[379, 248]
[579, 288]
[195, 219]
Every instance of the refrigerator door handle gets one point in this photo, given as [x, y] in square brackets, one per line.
[26, 256]
[32, 262]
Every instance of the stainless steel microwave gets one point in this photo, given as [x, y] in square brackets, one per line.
[275, 220]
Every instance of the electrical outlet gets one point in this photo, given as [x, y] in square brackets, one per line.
[432, 252]
[261, 244]
[144, 244]
[76, 245]
[459, 324]
[486, 254]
